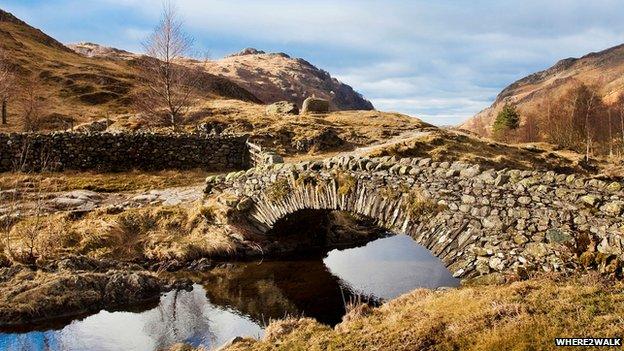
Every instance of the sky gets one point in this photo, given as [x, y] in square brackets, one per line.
[442, 61]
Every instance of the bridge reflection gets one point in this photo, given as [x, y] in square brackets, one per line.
[272, 290]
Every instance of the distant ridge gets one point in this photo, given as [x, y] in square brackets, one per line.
[603, 70]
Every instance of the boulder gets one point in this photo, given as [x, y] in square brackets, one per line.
[95, 126]
[282, 108]
[315, 105]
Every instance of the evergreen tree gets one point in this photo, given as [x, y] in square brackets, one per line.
[507, 119]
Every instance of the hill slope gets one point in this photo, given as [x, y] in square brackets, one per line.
[271, 77]
[603, 70]
[78, 87]
[276, 76]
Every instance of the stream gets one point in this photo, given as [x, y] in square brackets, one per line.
[239, 299]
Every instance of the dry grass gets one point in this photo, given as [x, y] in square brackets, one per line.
[102, 182]
[451, 146]
[28, 296]
[278, 190]
[524, 315]
[346, 183]
[418, 205]
[148, 233]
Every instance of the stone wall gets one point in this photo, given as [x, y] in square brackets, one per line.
[485, 221]
[120, 151]
[260, 156]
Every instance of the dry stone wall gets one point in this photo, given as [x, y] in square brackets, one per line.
[121, 151]
[479, 222]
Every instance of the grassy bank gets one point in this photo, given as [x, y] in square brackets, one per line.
[101, 182]
[153, 233]
[525, 315]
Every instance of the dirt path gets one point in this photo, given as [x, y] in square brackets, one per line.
[86, 200]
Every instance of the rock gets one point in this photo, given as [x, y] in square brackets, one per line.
[482, 266]
[245, 204]
[496, 264]
[247, 51]
[591, 200]
[525, 200]
[145, 198]
[282, 108]
[95, 126]
[501, 180]
[613, 208]
[468, 199]
[520, 239]
[313, 105]
[536, 250]
[470, 172]
[557, 236]
[614, 187]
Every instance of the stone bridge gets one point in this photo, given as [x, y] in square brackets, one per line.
[477, 221]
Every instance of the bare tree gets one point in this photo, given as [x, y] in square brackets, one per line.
[7, 79]
[167, 86]
[33, 103]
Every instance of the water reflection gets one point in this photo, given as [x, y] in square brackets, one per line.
[239, 299]
[180, 317]
[272, 290]
[389, 267]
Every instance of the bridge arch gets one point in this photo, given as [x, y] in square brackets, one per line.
[476, 221]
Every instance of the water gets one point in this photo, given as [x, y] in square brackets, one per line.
[239, 299]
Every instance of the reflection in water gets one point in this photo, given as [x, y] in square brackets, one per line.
[389, 267]
[239, 299]
[181, 317]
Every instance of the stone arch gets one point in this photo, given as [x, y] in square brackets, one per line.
[363, 195]
[494, 221]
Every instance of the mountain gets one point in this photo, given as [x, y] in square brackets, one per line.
[276, 76]
[271, 77]
[82, 87]
[602, 70]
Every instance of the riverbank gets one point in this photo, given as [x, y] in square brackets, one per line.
[74, 286]
[523, 315]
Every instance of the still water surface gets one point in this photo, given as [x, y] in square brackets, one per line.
[239, 299]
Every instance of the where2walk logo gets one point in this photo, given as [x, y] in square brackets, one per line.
[608, 342]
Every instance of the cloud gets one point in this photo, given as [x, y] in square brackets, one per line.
[442, 60]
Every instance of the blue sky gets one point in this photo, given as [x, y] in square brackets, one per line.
[440, 60]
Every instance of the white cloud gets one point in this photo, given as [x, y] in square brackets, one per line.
[444, 60]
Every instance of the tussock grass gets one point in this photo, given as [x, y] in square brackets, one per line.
[148, 233]
[525, 315]
[346, 183]
[278, 190]
[442, 145]
[417, 204]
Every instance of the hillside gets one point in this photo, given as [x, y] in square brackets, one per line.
[271, 77]
[276, 76]
[602, 70]
[80, 88]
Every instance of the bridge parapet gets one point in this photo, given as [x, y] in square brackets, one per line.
[478, 221]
